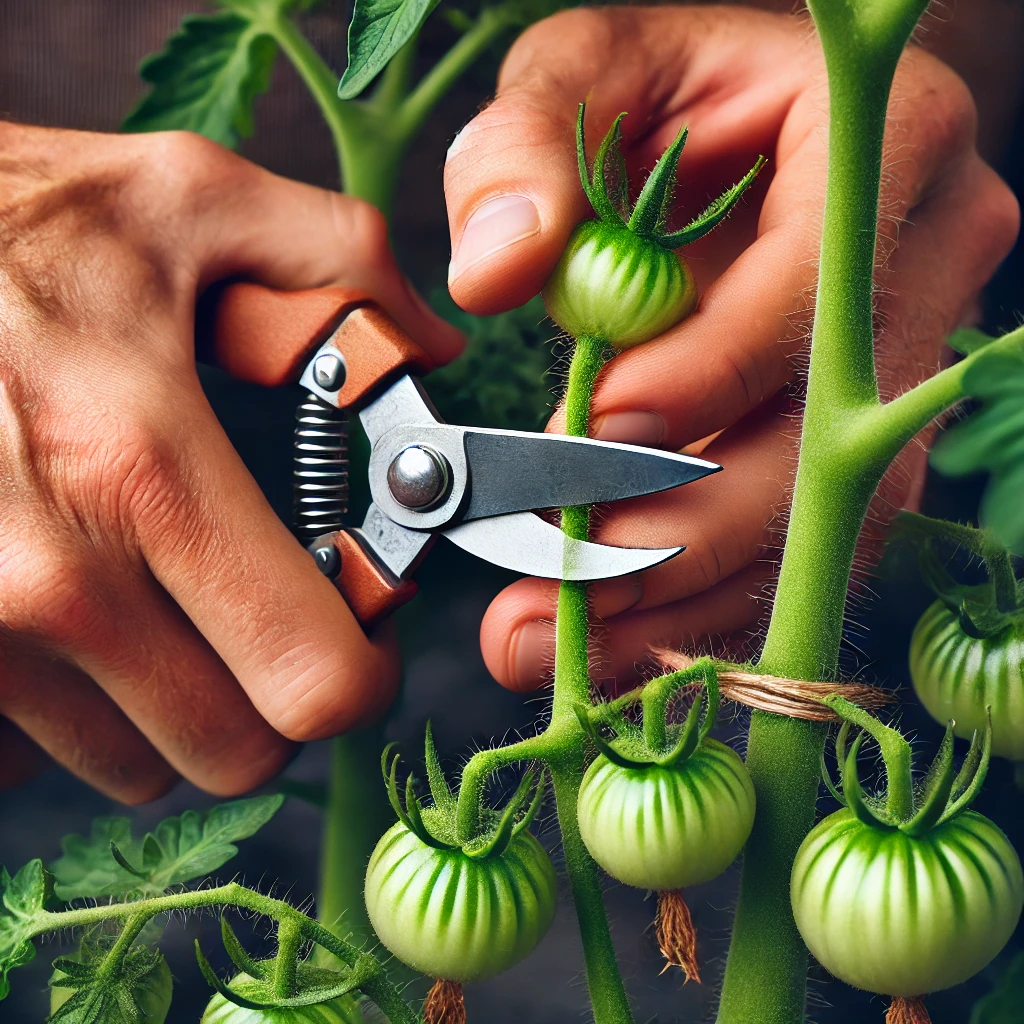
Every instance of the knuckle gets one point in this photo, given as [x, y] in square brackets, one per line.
[363, 226]
[44, 594]
[995, 217]
[183, 168]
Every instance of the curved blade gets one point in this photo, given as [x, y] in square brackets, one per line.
[514, 471]
[526, 543]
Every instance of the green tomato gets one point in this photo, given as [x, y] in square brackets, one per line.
[614, 285]
[222, 1011]
[667, 828]
[454, 917]
[904, 916]
[153, 993]
[957, 676]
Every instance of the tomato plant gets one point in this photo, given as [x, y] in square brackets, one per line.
[902, 893]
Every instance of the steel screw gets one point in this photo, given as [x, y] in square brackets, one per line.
[418, 477]
[327, 559]
[329, 371]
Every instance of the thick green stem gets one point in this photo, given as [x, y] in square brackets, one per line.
[289, 939]
[765, 979]
[124, 942]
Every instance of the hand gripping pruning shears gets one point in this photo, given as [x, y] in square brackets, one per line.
[477, 487]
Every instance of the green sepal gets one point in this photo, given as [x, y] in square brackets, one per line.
[495, 842]
[856, 799]
[610, 179]
[316, 985]
[715, 213]
[689, 736]
[440, 791]
[527, 819]
[655, 200]
[895, 750]
[594, 182]
[408, 811]
[123, 862]
[261, 969]
[972, 773]
[830, 785]
[935, 790]
[604, 747]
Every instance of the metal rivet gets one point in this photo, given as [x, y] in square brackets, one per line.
[418, 477]
[327, 559]
[329, 371]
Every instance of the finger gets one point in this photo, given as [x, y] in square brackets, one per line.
[244, 221]
[519, 648]
[208, 536]
[21, 760]
[58, 709]
[511, 180]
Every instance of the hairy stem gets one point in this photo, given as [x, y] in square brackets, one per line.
[289, 939]
[765, 979]
[572, 688]
[138, 912]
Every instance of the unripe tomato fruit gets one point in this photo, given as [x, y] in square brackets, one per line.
[153, 993]
[222, 1011]
[453, 917]
[667, 828]
[903, 916]
[957, 677]
[617, 286]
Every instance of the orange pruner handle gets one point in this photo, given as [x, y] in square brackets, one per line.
[267, 337]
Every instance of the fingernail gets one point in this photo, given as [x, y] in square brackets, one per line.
[643, 428]
[613, 597]
[496, 225]
[533, 654]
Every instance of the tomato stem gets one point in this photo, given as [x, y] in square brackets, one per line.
[137, 912]
[765, 978]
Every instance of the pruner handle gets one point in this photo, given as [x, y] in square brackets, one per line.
[267, 337]
[369, 590]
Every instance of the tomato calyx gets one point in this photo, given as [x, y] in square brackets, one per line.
[256, 987]
[660, 743]
[436, 824]
[983, 610]
[941, 796]
[607, 187]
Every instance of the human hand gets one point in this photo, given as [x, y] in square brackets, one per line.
[746, 83]
[157, 618]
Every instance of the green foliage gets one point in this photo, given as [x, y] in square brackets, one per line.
[992, 439]
[112, 862]
[1003, 1004]
[24, 899]
[378, 30]
[501, 378]
[105, 992]
[210, 72]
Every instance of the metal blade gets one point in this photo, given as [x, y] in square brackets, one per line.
[513, 471]
[526, 543]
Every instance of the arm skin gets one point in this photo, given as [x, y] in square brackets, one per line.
[726, 381]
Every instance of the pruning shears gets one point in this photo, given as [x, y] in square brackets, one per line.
[477, 487]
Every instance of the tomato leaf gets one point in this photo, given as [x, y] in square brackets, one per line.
[378, 30]
[992, 439]
[178, 850]
[210, 72]
[23, 901]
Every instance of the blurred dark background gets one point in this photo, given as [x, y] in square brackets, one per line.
[72, 64]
